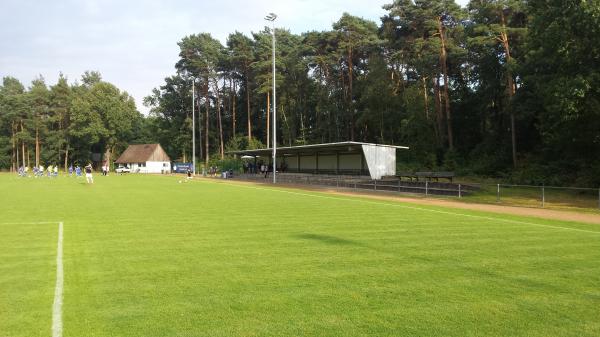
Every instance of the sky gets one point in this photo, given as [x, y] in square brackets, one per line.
[133, 43]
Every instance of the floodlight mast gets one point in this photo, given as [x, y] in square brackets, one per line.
[271, 17]
[193, 127]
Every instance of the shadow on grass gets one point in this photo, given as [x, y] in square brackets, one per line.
[442, 263]
[328, 239]
[519, 282]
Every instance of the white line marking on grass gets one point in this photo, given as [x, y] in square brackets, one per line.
[422, 209]
[57, 325]
[28, 223]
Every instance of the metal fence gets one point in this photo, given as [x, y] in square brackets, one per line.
[505, 194]
[538, 196]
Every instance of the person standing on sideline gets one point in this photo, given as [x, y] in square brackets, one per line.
[88, 174]
[55, 170]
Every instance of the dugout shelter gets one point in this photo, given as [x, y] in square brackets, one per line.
[341, 158]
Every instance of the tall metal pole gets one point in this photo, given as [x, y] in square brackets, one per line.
[193, 127]
[271, 17]
[274, 113]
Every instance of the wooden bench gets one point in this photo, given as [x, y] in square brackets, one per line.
[409, 175]
[434, 175]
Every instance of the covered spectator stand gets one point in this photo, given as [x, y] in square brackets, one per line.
[343, 158]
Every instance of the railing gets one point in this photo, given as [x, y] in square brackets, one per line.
[348, 172]
[537, 196]
[505, 194]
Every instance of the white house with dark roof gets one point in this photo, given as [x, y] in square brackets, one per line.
[145, 158]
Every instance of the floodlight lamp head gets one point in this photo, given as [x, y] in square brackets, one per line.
[271, 17]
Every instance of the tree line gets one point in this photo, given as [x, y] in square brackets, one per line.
[503, 88]
[64, 123]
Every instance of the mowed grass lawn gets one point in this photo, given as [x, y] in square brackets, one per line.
[148, 256]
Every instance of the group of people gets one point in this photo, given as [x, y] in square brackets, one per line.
[52, 171]
[249, 167]
[262, 168]
[105, 169]
[265, 169]
[39, 171]
[88, 172]
[213, 171]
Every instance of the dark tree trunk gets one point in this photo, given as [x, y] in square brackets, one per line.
[268, 117]
[439, 117]
[510, 87]
[15, 156]
[37, 146]
[248, 106]
[207, 106]
[444, 64]
[22, 145]
[221, 149]
[197, 103]
[234, 98]
[350, 94]
[67, 157]
[425, 97]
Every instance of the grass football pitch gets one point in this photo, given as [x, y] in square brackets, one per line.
[148, 256]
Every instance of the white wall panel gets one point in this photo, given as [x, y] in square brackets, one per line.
[380, 160]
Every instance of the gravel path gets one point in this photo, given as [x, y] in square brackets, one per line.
[523, 211]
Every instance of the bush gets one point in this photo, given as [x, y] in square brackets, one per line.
[451, 161]
[239, 143]
[236, 165]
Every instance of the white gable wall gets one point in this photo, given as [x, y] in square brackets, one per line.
[157, 167]
[381, 160]
[150, 167]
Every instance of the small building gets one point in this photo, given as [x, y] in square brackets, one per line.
[352, 158]
[145, 158]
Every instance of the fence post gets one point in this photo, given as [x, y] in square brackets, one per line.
[498, 194]
[375, 184]
[543, 196]
[400, 182]
[426, 187]
[459, 191]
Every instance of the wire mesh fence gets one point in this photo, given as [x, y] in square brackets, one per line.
[505, 194]
[538, 196]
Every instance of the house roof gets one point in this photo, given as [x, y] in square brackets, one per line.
[342, 147]
[141, 153]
